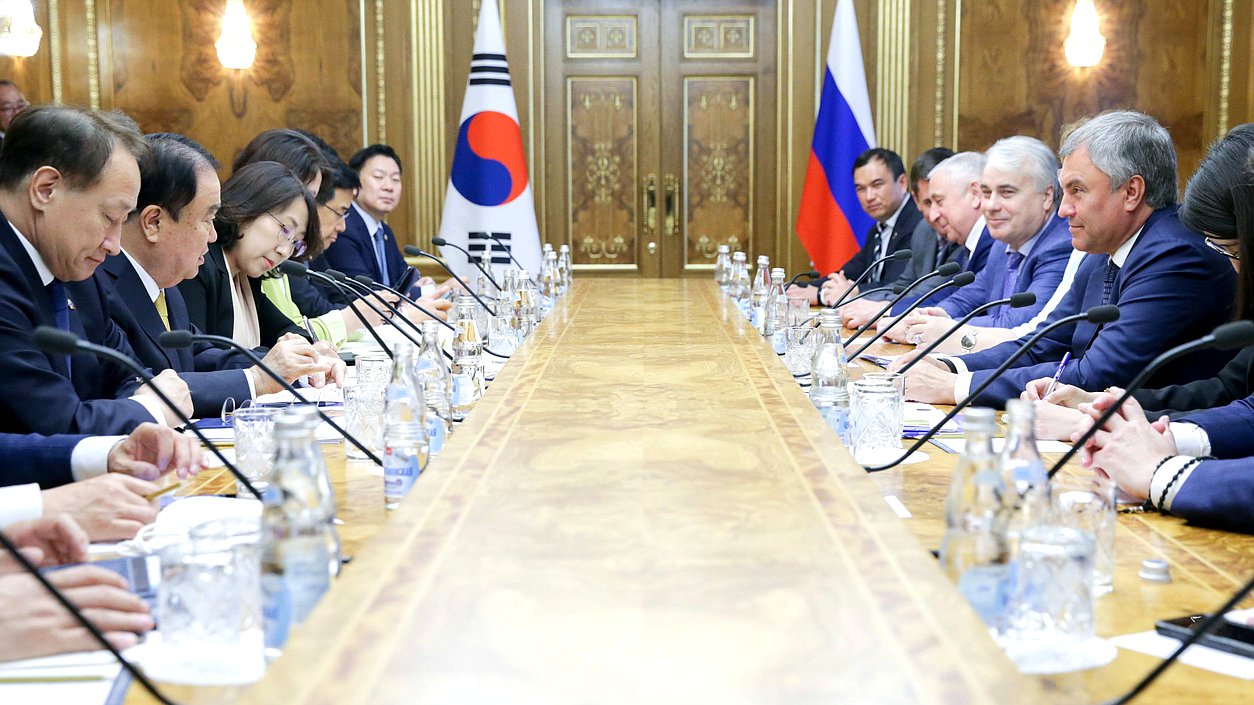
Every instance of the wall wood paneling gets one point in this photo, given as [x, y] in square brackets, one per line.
[956, 72]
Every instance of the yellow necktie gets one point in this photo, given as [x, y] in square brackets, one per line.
[162, 310]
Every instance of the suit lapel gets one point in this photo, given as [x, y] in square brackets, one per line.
[128, 285]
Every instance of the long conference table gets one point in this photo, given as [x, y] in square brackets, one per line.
[646, 508]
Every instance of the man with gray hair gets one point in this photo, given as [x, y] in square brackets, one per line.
[1032, 253]
[1119, 196]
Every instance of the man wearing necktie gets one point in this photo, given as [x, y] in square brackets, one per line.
[61, 213]
[368, 246]
[1031, 251]
[879, 178]
[1119, 188]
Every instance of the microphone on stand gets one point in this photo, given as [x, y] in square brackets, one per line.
[55, 340]
[898, 256]
[948, 269]
[74, 611]
[415, 252]
[1019, 300]
[296, 269]
[961, 280]
[808, 275]
[367, 281]
[1229, 336]
[175, 339]
[1097, 314]
[895, 288]
[497, 240]
[441, 242]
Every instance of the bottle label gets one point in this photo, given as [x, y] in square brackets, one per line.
[400, 470]
[305, 562]
[779, 342]
[984, 587]
[276, 609]
[436, 433]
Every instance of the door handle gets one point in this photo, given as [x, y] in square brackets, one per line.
[648, 194]
[671, 184]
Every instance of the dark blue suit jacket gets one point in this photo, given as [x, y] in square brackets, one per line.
[38, 395]
[137, 317]
[35, 458]
[1040, 272]
[353, 253]
[969, 261]
[1219, 493]
[1171, 289]
[208, 300]
[899, 238]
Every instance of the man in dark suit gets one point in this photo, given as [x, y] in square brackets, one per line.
[163, 243]
[954, 195]
[1031, 252]
[367, 245]
[1119, 193]
[61, 212]
[879, 178]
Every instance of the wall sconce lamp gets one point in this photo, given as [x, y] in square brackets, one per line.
[19, 33]
[1085, 45]
[236, 48]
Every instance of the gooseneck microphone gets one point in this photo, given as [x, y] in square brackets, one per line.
[296, 269]
[808, 275]
[1229, 336]
[1204, 627]
[898, 256]
[895, 288]
[497, 240]
[367, 281]
[175, 339]
[948, 269]
[1019, 300]
[78, 615]
[1097, 314]
[415, 252]
[961, 280]
[441, 242]
[55, 340]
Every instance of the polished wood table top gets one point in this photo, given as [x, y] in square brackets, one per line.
[645, 507]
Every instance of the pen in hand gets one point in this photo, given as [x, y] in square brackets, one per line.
[1053, 383]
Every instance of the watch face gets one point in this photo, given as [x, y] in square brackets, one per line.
[968, 342]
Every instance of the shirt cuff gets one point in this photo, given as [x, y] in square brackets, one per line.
[1191, 439]
[19, 503]
[251, 381]
[153, 406]
[90, 458]
[962, 386]
[1164, 476]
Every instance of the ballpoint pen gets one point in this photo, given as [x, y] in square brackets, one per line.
[1053, 383]
[309, 328]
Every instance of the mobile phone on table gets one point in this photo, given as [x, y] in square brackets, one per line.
[407, 280]
[1228, 636]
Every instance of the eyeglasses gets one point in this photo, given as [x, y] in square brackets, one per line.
[1224, 249]
[13, 108]
[339, 217]
[298, 246]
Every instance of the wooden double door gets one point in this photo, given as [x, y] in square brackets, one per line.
[660, 132]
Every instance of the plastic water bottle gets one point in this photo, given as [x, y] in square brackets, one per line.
[757, 296]
[404, 426]
[723, 267]
[564, 267]
[775, 320]
[738, 287]
[973, 553]
[294, 545]
[829, 374]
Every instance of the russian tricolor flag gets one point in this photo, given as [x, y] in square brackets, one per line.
[832, 224]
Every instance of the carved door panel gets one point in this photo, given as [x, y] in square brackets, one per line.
[718, 144]
[659, 117]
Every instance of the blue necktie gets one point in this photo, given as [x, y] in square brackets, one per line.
[1013, 261]
[61, 309]
[1108, 284]
[380, 253]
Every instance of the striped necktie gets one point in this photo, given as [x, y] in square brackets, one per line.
[1108, 284]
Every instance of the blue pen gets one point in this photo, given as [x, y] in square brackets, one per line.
[1054, 382]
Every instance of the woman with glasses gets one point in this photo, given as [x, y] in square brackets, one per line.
[1217, 203]
[267, 216]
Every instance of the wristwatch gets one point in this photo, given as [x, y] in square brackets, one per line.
[967, 341]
